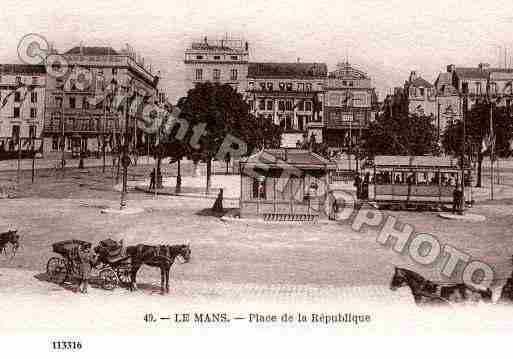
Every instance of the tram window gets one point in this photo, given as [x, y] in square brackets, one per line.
[425, 178]
[399, 178]
[383, 177]
[449, 179]
[410, 178]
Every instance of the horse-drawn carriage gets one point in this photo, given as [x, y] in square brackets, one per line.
[113, 268]
[114, 263]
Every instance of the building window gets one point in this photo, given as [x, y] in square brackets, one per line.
[217, 74]
[114, 71]
[301, 106]
[281, 105]
[300, 86]
[199, 74]
[344, 83]
[308, 106]
[85, 103]
[15, 135]
[217, 57]
[100, 72]
[351, 84]
[17, 96]
[235, 57]
[261, 104]
[478, 88]
[347, 117]
[288, 122]
[72, 102]
[421, 91]
[32, 131]
[270, 86]
[16, 113]
[464, 87]
[259, 187]
[233, 74]
[269, 105]
[33, 112]
[288, 105]
[262, 86]
[289, 86]
[251, 85]
[33, 97]
[282, 86]
[58, 102]
[18, 79]
[34, 80]
[199, 57]
[251, 105]
[55, 143]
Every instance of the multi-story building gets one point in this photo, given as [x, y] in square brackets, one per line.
[472, 84]
[289, 94]
[22, 104]
[223, 61]
[350, 103]
[421, 95]
[79, 111]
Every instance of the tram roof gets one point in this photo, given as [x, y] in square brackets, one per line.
[416, 161]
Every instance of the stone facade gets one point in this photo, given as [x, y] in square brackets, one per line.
[73, 112]
[22, 101]
[350, 103]
[223, 61]
[289, 94]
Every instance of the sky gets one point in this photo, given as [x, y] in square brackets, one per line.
[386, 39]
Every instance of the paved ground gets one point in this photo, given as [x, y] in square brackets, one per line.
[248, 265]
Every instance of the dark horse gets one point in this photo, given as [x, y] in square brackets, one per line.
[11, 237]
[162, 256]
[507, 291]
[427, 292]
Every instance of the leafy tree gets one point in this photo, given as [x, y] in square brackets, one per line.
[397, 132]
[477, 131]
[223, 111]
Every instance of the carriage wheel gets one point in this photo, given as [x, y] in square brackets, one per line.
[108, 279]
[56, 270]
[124, 275]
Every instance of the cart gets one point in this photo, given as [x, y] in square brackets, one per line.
[66, 267]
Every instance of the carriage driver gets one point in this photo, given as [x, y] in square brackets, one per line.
[87, 261]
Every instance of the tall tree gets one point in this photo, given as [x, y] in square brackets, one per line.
[477, 134]
[397, 132]
[222, 111]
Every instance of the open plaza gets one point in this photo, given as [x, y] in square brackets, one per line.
[275, 265]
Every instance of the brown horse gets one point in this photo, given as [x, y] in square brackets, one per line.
[427, 292]
[11, 237]
[162, 257]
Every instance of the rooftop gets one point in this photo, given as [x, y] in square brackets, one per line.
[92, 51]
[292, 70]
[420, 82]
[419, 161]
[346, 70]
[22, 69]
[298, 158]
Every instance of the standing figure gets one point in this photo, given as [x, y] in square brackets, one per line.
[218, 204]
[87, 261]
[152, 179]
[358, 185]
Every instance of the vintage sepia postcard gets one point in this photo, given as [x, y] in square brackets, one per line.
[244, 178]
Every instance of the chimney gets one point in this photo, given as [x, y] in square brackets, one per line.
[483, 66]
[413, 75]
[246, 45]
[451, 68]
